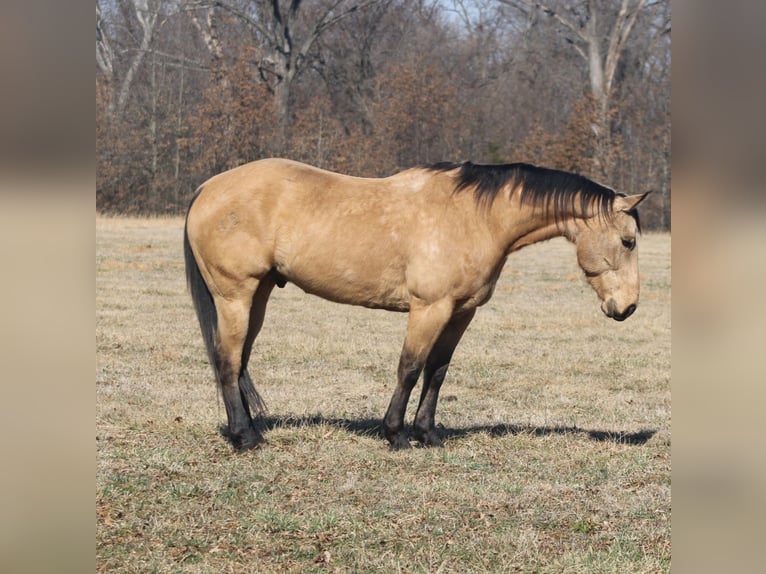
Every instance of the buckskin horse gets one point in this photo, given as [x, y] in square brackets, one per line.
[430, 241]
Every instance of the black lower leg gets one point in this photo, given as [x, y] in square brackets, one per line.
[240, 430]
[433, 377]
[393, 422]
[424, 429]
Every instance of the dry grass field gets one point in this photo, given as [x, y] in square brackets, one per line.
[556, 423]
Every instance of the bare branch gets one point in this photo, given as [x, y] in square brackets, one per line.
[104, 52]
[528, 4]
[245, 18]
[179, 61]
[325, 22]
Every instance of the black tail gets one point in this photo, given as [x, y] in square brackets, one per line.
[208, 322]
[202, 299]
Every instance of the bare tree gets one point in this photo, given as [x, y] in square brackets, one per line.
[599, 37]
[350, 61]
[287, 44]
[583, 20]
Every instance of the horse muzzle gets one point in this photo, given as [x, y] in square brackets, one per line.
[610, 310]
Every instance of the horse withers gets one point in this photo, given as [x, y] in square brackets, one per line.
[430, 241]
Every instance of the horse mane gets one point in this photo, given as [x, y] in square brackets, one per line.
[562, 193]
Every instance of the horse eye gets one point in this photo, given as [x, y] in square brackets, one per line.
[629, 244]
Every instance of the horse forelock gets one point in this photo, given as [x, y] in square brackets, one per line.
[559, 193]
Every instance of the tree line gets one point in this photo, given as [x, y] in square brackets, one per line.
[189, 88]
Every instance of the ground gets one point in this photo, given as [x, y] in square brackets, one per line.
[556, 423]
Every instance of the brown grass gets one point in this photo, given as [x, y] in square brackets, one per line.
[557, 426]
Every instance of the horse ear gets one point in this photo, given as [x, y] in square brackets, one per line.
[630, 202]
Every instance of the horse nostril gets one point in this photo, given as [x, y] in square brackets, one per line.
[622, 316]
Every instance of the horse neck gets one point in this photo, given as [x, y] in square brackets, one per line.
[525, 225]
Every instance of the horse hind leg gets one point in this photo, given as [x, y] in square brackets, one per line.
[236, 387]
[250, 396]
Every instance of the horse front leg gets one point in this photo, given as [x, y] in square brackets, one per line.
[424, 326]
[433, 377]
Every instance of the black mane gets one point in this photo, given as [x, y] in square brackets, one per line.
[556, 191]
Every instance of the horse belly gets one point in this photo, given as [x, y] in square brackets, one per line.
[347, 286]
[357, 277]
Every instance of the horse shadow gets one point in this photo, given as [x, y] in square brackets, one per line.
[371, 428]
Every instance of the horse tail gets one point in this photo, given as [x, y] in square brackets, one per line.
[207, 315]
[202, 299]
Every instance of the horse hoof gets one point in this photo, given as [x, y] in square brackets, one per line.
[244, 440]
[399, 443]
[429, 439]
[247, 443]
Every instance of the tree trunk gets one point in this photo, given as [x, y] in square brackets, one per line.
[147, 19]
[282, 112]
[105, 59]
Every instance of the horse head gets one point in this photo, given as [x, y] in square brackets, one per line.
[607, 251]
